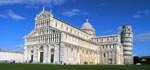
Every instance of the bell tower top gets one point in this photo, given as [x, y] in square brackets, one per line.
[43, 8]
[87, 20]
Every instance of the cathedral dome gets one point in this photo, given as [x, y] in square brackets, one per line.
[87, 25]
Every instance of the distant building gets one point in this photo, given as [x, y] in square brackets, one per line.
[7, 56]
[55, 41]
[145, 60]
[136, 60]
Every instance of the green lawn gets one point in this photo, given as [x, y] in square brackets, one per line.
[71, 67]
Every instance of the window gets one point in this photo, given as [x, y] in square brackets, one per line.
[107, 39]
[104, 55]
[71, 49]
[31, 51]
[86, 52]
[56, 24]
[53, 31]
[66, 28]
[82, 51]
[111, 46]
[77, 50]
[47, 23]
[61, 25]
[113, 39]
[66, 36]
[114, 46]
[129, 34]
[129, 29]
[75, 31]
[71, 30]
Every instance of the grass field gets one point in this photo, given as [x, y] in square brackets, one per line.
[71, 67]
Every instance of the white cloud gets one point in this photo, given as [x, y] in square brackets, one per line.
[85, 13]
[32, 2]
[32, 6]
[100, 4]
[137, 16]
[135, 55]
[114, 31]
[109, 31]
[11, 14]
[142, 37]
[2, 16]
[14, 15]
[119, 29]
[57, 2]
[141, 14]
[3, 2]
[71, 13]
[20, 46]
[147, 12]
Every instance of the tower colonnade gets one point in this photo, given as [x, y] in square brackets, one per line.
[127, 40]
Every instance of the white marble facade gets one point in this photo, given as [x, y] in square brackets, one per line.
[54, 41]
[111, 49]
[8, 56]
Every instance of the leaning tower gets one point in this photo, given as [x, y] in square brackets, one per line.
[127, 40]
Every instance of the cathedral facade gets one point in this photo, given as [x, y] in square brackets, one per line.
[54, 41]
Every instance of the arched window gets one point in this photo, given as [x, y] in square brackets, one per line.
[61, 26]
[41, 48]
[56, 24]
[31, 51]
[104, 55]
[52, 50]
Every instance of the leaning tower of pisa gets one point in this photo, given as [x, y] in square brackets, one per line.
[127, 40]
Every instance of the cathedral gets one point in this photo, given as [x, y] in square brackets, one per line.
[54, 41]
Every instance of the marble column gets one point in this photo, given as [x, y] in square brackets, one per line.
[49, 54]
[45, 54]
[35, 54]
[57, 53]
[26, 54]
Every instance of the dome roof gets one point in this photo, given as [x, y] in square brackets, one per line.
[87, 25]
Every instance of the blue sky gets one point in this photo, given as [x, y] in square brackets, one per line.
[106, 16]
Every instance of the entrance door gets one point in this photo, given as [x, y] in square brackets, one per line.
[52, 55]
[31, 58]
[110, 61]
[52, 58]
[41, 57]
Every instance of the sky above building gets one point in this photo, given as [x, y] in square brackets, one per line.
[106, 16]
